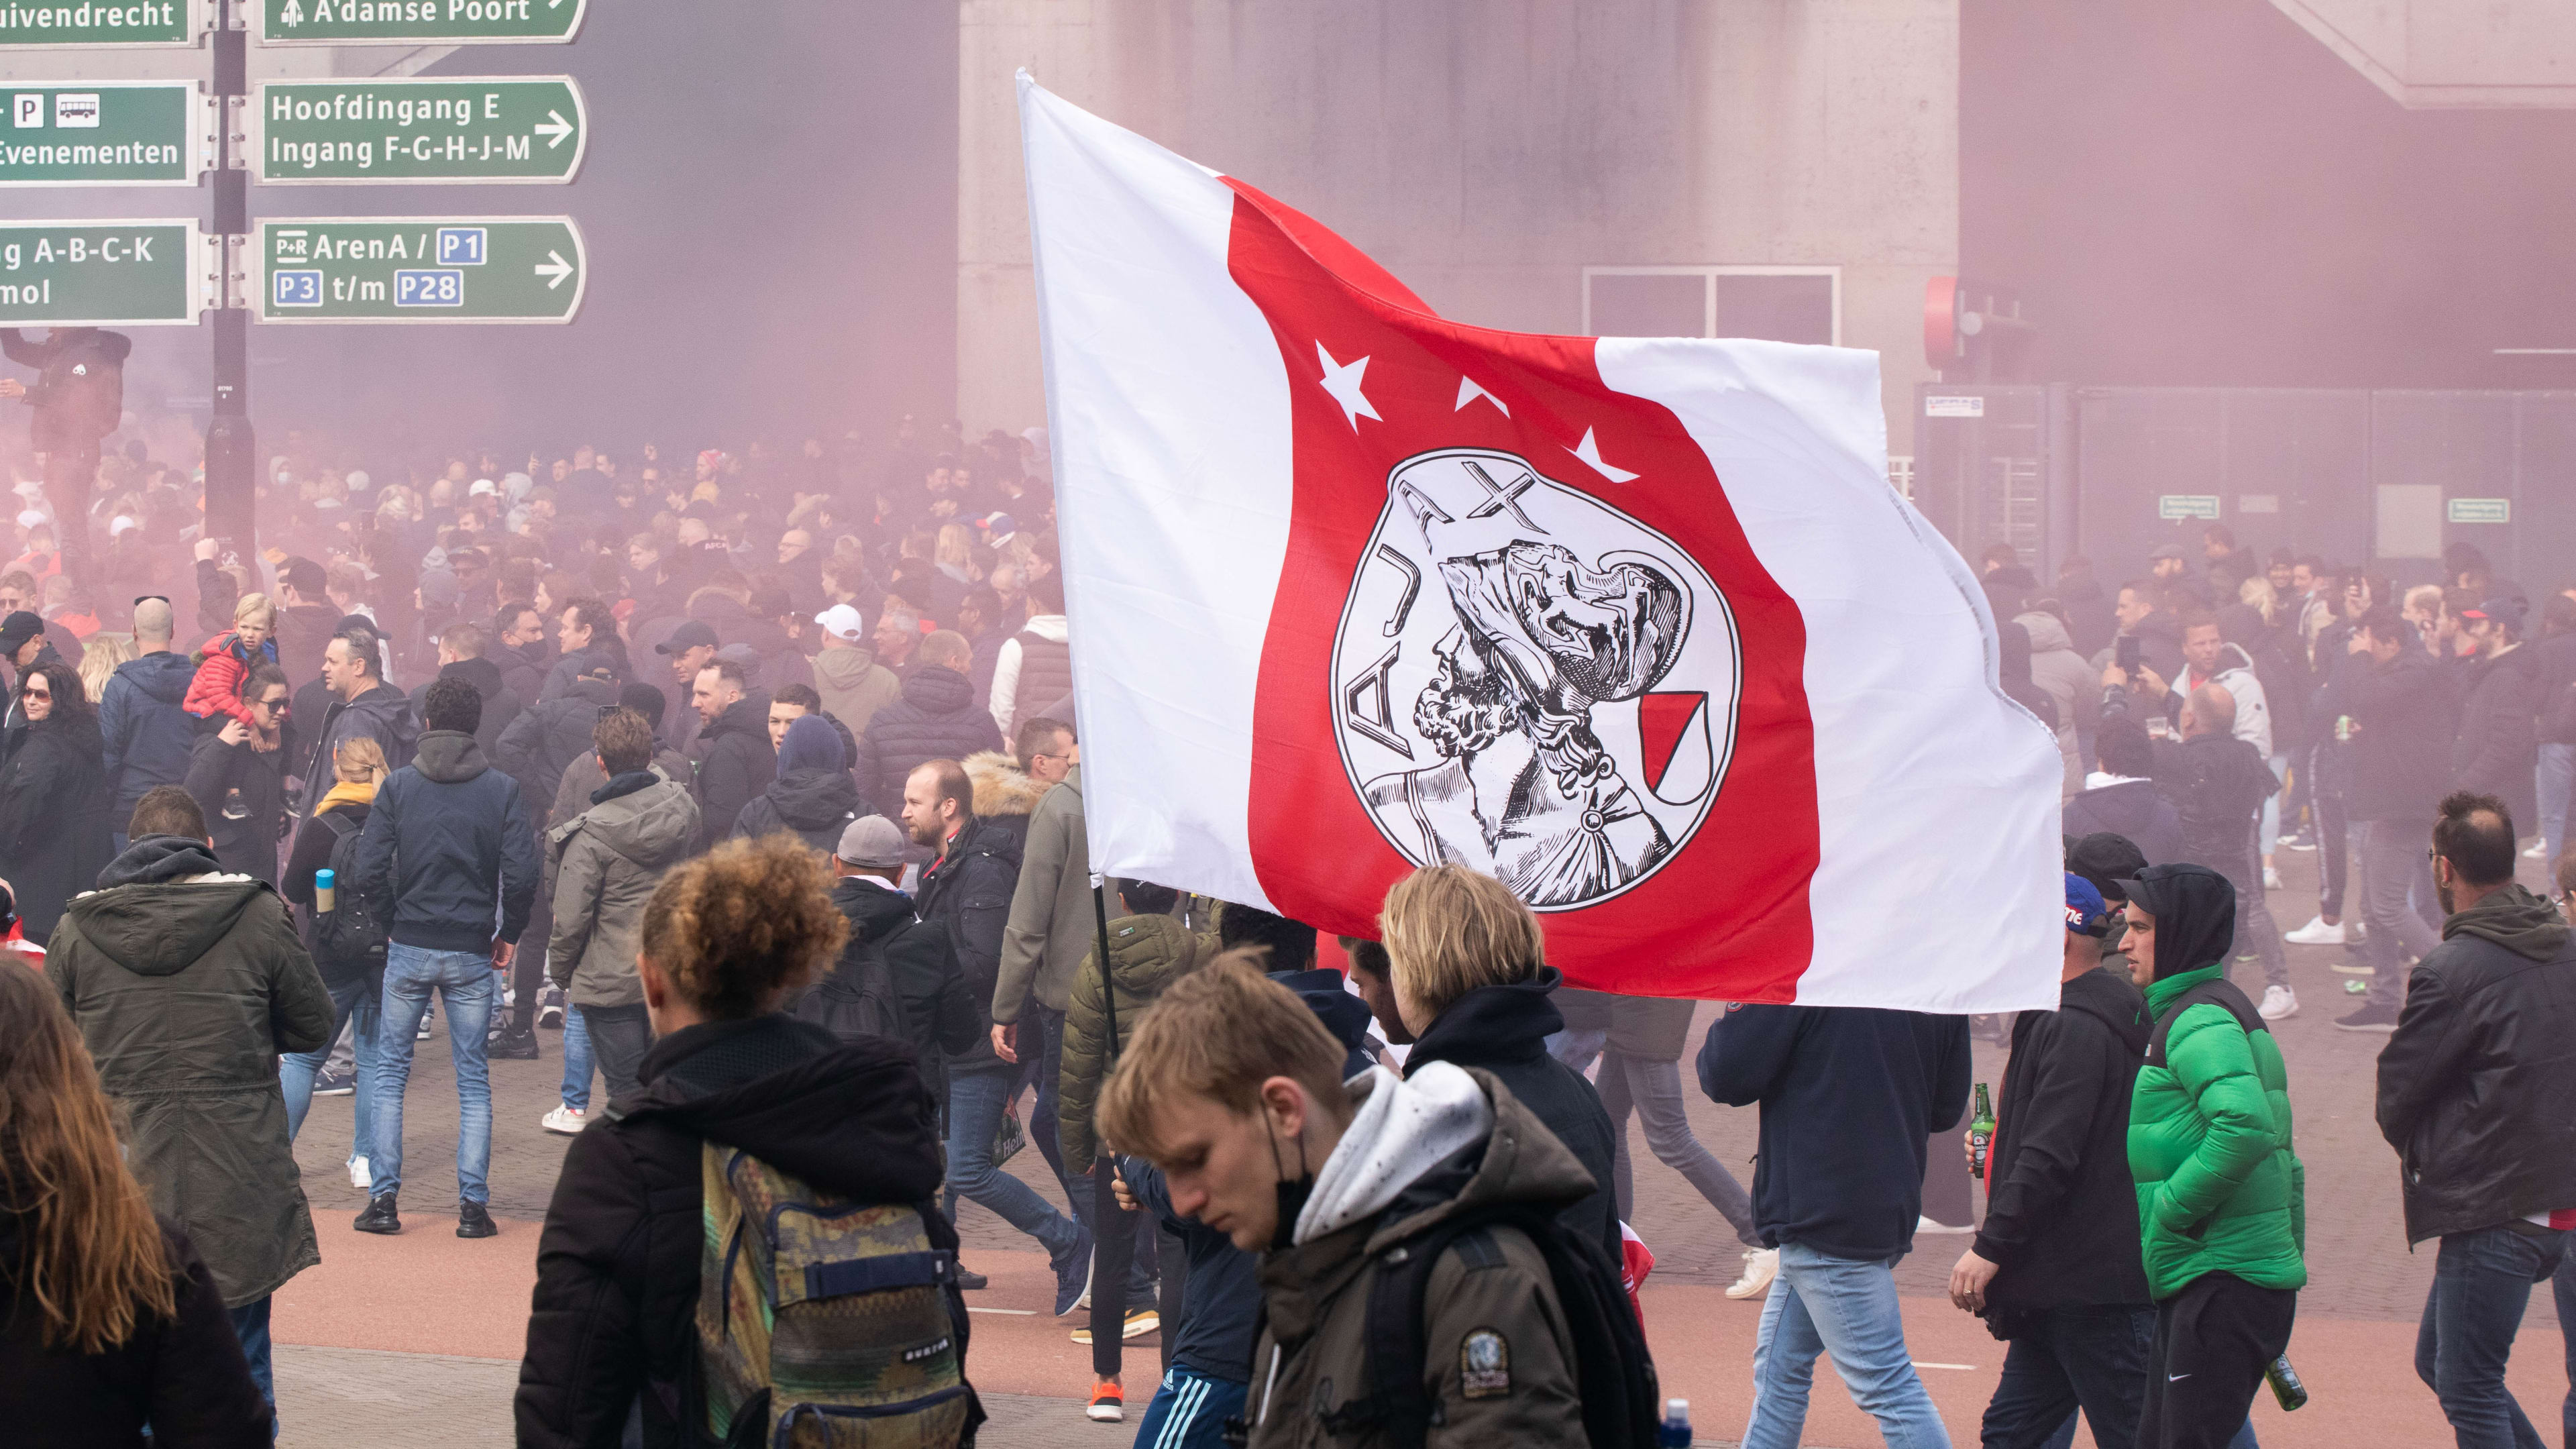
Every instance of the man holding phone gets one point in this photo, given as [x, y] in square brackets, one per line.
[2148, 634]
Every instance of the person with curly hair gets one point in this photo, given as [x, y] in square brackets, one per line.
[728, 939]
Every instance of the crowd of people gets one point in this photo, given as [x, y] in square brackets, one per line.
[760, 778]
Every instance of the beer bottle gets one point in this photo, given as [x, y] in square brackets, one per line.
[2285, 1383]
[1981, 1133]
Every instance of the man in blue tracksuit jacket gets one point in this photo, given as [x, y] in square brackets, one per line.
[1850, 1097]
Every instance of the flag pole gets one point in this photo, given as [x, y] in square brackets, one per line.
[1108, 1298]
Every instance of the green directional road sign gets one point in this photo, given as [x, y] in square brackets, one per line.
[421, 269]
[101, 273]
[415, 22]
[105, 133]
[524, 128]
[125, 24]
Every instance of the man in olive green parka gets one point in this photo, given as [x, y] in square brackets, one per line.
[187, 981]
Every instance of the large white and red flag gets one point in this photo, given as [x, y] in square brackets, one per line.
[1635, 625]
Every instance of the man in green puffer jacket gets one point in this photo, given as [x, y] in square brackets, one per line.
[2221, 1208]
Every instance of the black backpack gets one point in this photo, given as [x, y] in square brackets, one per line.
[859, 997]
[351, 936]
[1614, 1371]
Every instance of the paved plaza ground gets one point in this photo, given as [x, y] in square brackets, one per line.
[415, 1339]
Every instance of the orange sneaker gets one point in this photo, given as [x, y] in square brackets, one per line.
[1108, 1404]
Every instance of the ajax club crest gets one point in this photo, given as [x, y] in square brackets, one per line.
[1529, 682]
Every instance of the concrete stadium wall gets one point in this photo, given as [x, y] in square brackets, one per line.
[1486, 151]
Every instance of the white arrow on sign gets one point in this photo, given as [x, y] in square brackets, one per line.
[554, 270]
[554, 126]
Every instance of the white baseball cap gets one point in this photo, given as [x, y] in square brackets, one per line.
[841, 621]
[482, 485]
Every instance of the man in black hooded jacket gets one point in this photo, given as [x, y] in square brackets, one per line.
[2477, 1092]
[2055, 1271]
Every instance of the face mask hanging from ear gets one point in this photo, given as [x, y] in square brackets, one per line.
[1293, 1193]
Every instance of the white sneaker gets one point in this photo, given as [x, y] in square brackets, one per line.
[2539, 851]
[2316, 933]
[2271, 878]
[1927, 1225]
[567, 1120]
[1761, 1265]
[358, 1177]
[2278, 1002]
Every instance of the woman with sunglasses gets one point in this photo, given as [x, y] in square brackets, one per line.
[54, 805]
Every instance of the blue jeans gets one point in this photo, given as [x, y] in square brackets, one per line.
[355, 1006]
[2562, 1286]
[1189, 1411]
[2481, 1283]
[975, 1101]
[2270, 829]
[1847, 1308]
[466, 980]
[250, 1325]
[2083, 1354]
[2555, 775]
[576, 1078]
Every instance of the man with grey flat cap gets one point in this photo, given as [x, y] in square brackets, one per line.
[895, 964]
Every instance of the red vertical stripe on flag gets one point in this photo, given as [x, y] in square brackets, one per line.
[1723, 910]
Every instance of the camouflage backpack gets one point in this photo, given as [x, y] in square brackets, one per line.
[821, 1322]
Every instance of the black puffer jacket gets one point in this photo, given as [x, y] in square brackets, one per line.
[1504, 1029]
[2477, 1086]
[817, 804]
[968, 892]
[2062, 1214]
[537, 746]
[617, 1268]
[2496, 746]
[938, 718]
[55, 815]
[183, 1375]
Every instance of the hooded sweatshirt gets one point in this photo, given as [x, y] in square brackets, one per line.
[2219, 1187]
[1418, 1152]
[853, 685]
[812, 796]
[448, 843]
[2477, 1086]
[143, 718]
[1504, 1029]
[614, 1312]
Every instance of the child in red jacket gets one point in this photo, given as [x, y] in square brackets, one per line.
[226, 661]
